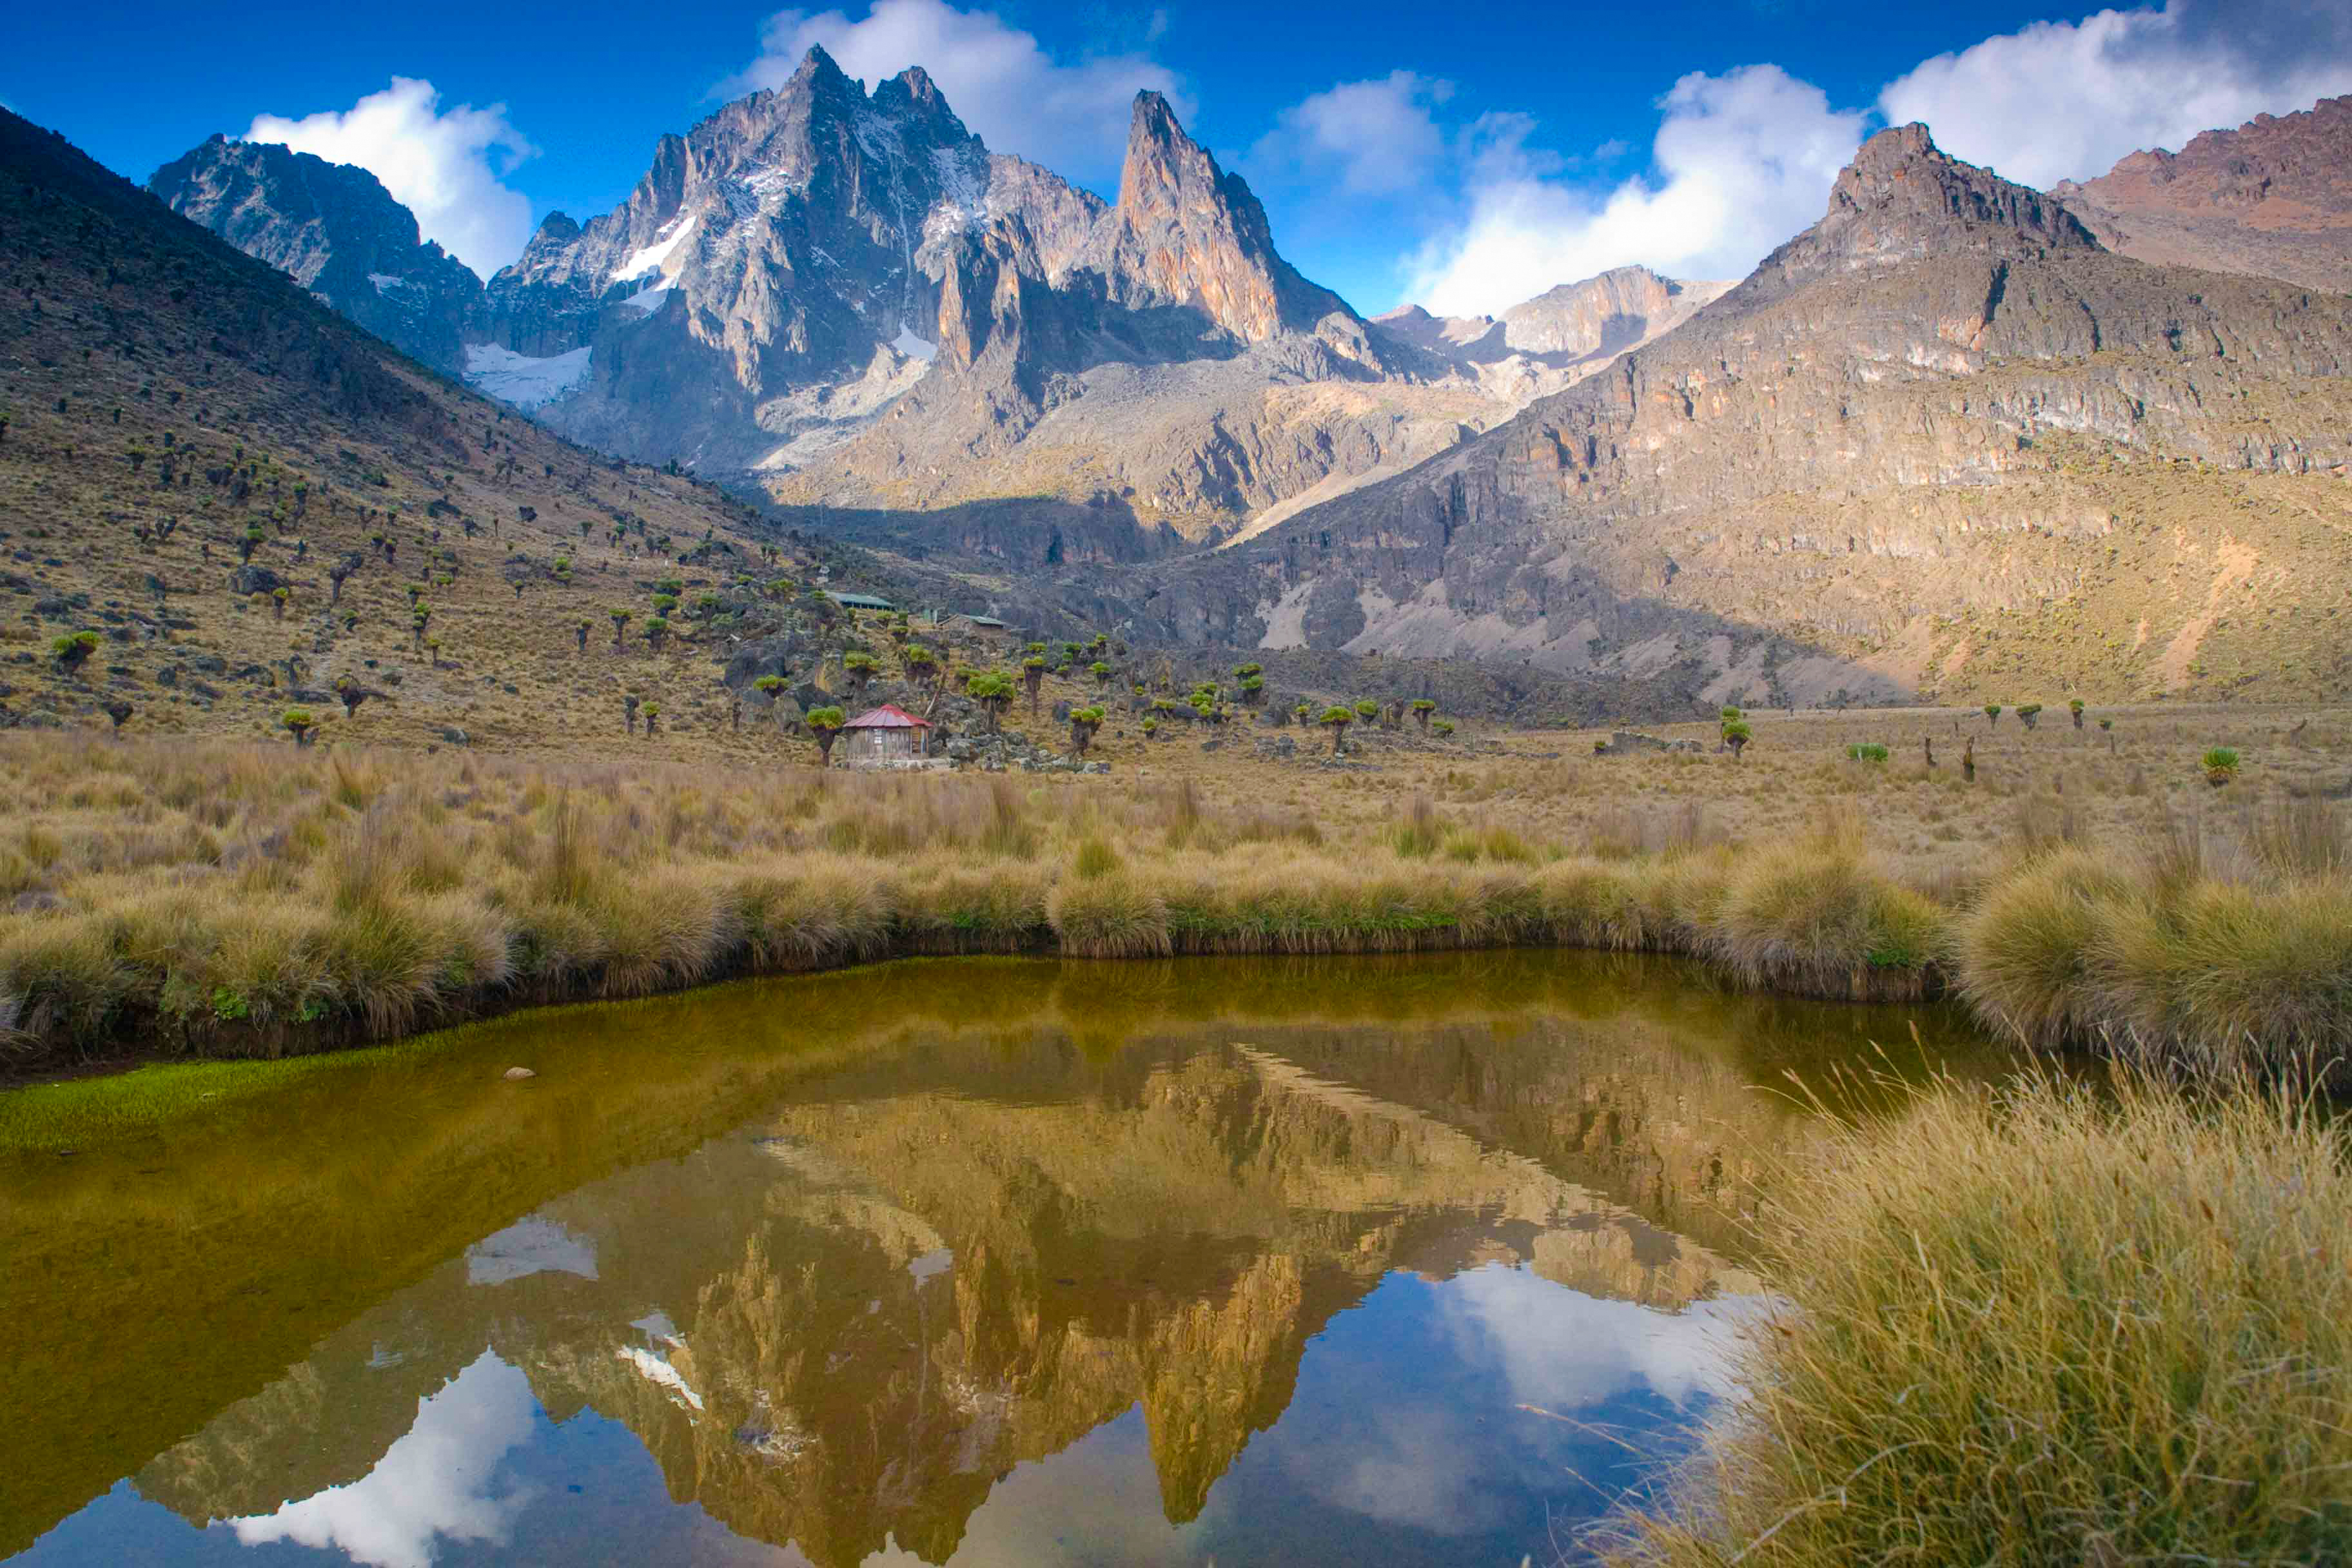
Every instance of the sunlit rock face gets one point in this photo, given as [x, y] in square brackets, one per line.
[1943, 405]
[2272, 197]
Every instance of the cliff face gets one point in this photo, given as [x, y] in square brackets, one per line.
[1941, 406]
[2272, 197]
[336, 231]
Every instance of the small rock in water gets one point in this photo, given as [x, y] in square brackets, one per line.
[516, 1075]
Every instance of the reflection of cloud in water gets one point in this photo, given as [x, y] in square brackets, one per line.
[1433, 1378]
[530, 1247]
[1411, 1466]
[433, 1482]
[1559, 1350]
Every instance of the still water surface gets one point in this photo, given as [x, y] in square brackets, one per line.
[1417, 1260]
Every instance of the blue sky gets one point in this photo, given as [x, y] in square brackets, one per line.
[1468, 156]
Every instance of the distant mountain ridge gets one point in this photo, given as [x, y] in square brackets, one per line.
[1560, 336]
[2272, 197]
[1940, 443]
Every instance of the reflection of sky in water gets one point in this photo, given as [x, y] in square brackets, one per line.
[1408, 1438]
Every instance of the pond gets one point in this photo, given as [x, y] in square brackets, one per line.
[1421, 1261]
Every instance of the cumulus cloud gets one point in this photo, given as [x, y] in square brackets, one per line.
[447, 166]
[1070, 116]
[1374, 138]
[2065, 100]
[1741, 162]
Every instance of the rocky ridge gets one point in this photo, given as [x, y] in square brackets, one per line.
[1559, 337]
[336, 231]
[2272, 197]
[1941, 438]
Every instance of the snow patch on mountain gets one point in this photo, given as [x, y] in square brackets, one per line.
[521, 379]
[650, 298]
[651, 256]
[913, 347]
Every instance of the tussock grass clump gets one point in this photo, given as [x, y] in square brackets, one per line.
[1109, 915]
[2041, 1325]
[2161, 960]
[973, 908]
[2225, 972]
[2028, 954]
[813, 912]
[1816, 918]
[1419, 833]
[1586, 903]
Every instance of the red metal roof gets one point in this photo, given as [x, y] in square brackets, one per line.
[889, 716]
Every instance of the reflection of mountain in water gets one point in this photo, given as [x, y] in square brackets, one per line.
[844, 1327]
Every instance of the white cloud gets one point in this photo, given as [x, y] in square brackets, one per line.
[446, 166]
[1071, 117]
[1376, 138]
[1742, 161]
[433, 1482]
[2065, 100]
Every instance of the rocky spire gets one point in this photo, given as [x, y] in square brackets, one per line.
[1186, 233]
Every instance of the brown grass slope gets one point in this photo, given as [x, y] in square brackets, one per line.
[153, 378]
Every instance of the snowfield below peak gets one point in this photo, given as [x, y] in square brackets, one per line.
[521, 379]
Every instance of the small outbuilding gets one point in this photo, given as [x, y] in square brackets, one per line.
[885, 737]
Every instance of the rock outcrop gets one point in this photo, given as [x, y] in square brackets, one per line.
[336, 231]
[2272, 197]
[1169, 367]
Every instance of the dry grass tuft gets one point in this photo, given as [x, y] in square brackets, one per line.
[2041, 1325]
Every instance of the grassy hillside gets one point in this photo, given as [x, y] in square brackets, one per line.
[186, 434]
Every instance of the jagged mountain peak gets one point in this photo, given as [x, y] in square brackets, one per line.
[1903, 198]
[337, 232]
[1184, 232]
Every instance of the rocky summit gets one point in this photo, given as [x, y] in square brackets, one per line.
[1164, 371]
[336, 231]
[1940, 441]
